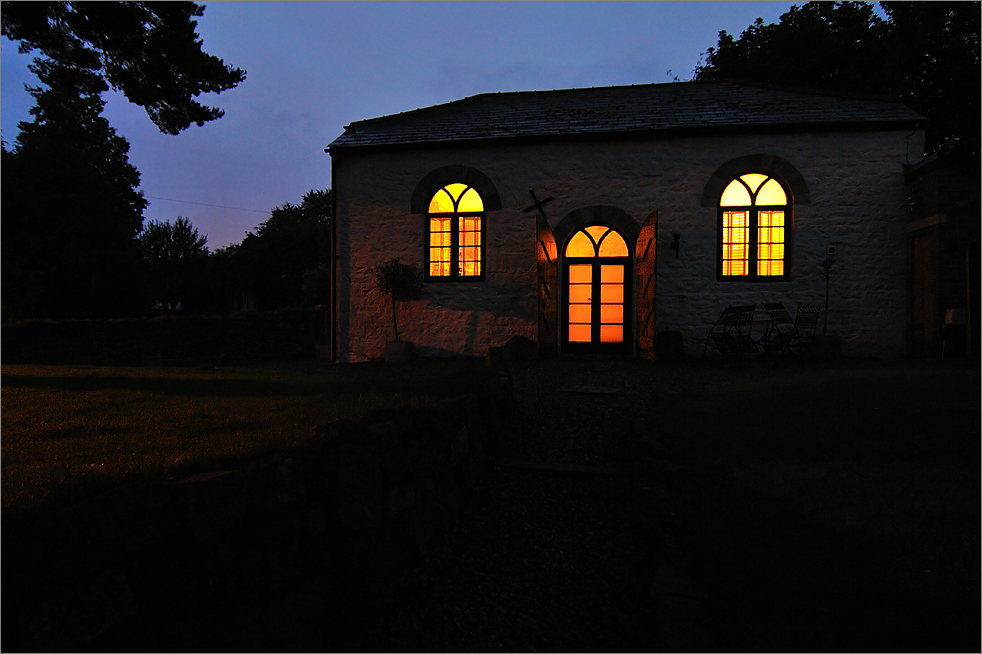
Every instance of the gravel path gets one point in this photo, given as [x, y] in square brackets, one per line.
[547, 560]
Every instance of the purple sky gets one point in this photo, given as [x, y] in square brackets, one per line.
[314, 67]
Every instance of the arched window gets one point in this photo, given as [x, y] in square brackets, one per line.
[754, 213]
[455, 227]
[596, 264]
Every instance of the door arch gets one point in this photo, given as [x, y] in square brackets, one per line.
[596, 316]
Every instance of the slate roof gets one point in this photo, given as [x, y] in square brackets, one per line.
[610, 110]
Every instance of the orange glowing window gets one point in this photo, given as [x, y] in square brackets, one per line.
[455, 225]
[596, 241]
[752, 228]
[595, 281]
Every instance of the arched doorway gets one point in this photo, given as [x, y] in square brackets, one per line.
[597, 290]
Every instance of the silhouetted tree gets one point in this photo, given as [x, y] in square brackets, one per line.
[148, 50]
[175, 256]
[271, 262]
[71, 209]
[927, 54]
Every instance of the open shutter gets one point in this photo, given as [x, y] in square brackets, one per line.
[645, 252]
[545, 247]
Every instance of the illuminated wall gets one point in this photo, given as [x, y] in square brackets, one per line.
[856, 188]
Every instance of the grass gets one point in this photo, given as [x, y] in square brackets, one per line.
[838, 509]
[69, 430]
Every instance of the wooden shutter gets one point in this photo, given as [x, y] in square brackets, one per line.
[645, 252]
[545, 247]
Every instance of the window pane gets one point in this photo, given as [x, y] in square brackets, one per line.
[611, 333]
[735, 195]
[771, 194]
[735, 268]
[470, 201]
[438, 239]
[455, 190]
[580, 273]
[611, 274]
[753, 180]
[580, 246]
[613, 245]
[579, 333]
[580, 313]
[612, 314]
[597, 232]
[441, 202]
[612, 293]
[580, 293]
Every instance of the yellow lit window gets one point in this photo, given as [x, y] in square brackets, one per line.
[455, 219]
[752, 227]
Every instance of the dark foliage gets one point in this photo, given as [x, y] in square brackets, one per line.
[400, 281]
[175, 256]
[71, 210]
[266, 271]
[926, 54]
[148, 50]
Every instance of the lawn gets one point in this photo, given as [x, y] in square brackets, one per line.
[71, 430]
[836, 509]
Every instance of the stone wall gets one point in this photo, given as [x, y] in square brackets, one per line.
[131, 568]
[276, 335]
[856, 186]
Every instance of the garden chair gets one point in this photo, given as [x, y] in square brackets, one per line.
[805, 325]
[780, 330]
[730, 334]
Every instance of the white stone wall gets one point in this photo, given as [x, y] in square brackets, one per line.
[856, 188]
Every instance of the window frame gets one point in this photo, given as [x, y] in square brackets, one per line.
[455, 218]
[753, 211]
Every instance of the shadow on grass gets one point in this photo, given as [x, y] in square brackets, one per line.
[836, 510]
[190, 387]
[779, 581]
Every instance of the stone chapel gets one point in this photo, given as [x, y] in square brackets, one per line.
[588, 220]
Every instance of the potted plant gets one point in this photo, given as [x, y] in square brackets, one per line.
[401, 282]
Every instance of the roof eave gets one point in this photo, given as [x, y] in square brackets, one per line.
[657, 133]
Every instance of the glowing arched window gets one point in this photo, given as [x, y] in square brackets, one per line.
[455, 224]
[596, 241]
[595, 286]
[753, 211]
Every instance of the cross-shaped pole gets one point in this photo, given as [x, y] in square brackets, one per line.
[538, 206]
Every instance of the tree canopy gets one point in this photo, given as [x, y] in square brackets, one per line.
[71, 210]
[925, 53]
[271, 263]
[148, 50]
[175, 256]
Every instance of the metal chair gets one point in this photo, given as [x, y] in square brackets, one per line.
[805, 325]
[780, 330]
[730, 334]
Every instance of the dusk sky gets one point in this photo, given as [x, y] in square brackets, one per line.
[314, 67]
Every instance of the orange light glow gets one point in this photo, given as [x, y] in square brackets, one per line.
[579, 333]
[581, 246]
[613, 246]
[591, 317]
[611, 333]
[580, 273]
[612, 274]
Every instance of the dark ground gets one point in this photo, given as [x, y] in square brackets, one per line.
[539, 560]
